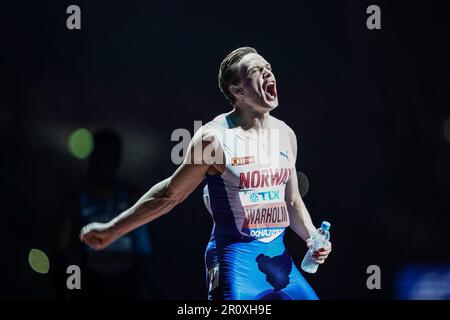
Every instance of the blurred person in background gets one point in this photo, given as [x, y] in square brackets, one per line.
[124, 269]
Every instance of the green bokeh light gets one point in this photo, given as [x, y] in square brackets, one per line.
[38, 261]
[80, 143]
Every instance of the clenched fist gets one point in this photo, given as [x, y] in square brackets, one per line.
[97, 235]
[320, 255]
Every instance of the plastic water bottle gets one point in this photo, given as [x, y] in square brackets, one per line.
[320, 239]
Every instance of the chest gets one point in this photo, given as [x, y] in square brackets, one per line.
[257, 161]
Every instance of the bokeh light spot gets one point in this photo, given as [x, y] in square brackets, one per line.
[303, 183]
[80, 143]
[447, 129]
[38, 261]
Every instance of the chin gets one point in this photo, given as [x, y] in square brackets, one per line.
[265, 106]
[270, 105]
[273, 104]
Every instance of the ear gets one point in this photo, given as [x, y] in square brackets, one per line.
[236, 91]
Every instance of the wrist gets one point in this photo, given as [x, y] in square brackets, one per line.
[310, 231]
[113, 228]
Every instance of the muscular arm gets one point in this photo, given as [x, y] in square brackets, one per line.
[159, 200]
[300, 220]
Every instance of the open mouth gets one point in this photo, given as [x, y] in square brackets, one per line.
[271, 91]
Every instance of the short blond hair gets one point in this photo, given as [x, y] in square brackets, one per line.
[228, 71]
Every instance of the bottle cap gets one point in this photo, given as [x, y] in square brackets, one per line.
[326, 226]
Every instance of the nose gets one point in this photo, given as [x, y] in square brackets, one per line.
[266, 73]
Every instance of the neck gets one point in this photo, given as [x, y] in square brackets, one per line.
[249, 119]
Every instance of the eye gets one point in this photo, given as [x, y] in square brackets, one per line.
[254, 70]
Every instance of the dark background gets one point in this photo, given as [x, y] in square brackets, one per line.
[368, 108]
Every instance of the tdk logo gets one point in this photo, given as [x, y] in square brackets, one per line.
[264, 196]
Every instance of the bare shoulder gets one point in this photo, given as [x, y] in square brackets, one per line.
[205, 144]
[209, 131]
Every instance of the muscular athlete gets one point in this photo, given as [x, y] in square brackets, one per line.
[252, 199]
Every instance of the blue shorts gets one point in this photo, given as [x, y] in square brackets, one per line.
[248, 269]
